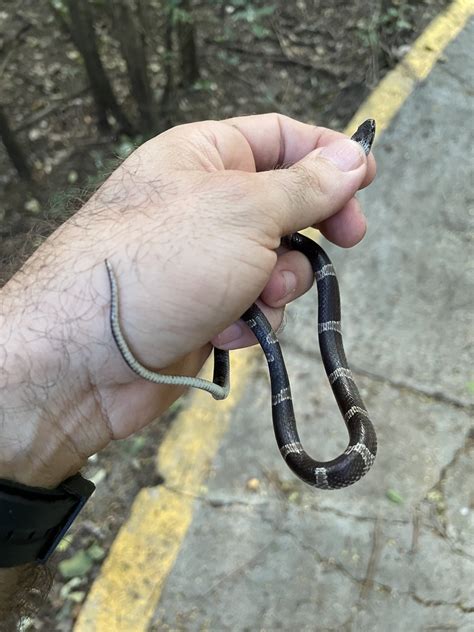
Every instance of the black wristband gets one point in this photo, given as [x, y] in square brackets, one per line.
[33, 520]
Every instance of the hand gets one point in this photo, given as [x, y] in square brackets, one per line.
[191, 223]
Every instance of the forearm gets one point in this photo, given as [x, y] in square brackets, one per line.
[41, 418]
[42, 414]
[33, 448]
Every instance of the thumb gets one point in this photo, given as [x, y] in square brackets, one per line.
[314, 188]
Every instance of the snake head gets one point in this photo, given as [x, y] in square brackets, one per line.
[365, 134]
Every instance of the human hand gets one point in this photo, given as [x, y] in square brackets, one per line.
[191, 223]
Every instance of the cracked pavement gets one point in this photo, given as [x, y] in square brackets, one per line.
[265, 552]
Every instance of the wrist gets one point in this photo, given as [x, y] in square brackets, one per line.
[45, 421]
[35, 451]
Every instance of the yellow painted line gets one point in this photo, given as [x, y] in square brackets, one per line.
[124, 596]
[390, 94]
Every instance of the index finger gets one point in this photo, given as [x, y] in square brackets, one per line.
[279, 141]
[246, 143]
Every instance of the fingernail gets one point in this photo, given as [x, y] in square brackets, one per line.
[345, 154]
[234, 332]
[289, 282]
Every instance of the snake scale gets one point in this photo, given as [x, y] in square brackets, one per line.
[360, 453]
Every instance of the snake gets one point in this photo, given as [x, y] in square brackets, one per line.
[359, 456]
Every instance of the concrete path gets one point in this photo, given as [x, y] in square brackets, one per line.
[395, 552]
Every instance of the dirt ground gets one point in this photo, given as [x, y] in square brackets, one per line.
[311, 59]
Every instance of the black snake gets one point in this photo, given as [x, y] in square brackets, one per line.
[360, 453]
